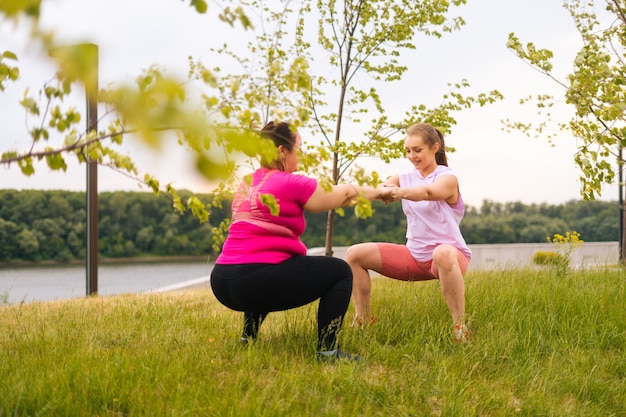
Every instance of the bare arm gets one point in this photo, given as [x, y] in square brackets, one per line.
[340, 196]
[444, 188]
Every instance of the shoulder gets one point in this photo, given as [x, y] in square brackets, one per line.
[287, 177]
[298, 180]
[443, 170]
[298, 187]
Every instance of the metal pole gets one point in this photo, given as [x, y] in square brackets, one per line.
[81, 61]
[91, 93]
[620, 194]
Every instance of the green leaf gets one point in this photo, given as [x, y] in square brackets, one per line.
[198, 209]
[30, 105]
[270, 202]
[151, 182]
[26, 165]
[178, 204]
[200, 6]
[212, 169]
[9, 155]
[56, 162]
[363, 208]
[9, 55]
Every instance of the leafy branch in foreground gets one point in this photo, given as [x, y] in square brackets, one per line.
[7, 71]
[155, 109]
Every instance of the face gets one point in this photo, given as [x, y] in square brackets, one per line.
[419, 153]
[291, 157]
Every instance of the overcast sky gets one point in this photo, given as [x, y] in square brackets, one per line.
[491, 164]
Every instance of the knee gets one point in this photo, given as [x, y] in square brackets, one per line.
[445, 256]
[337, 268]
[345, 271]
[351, 254]
[355, 253]
[343, 274]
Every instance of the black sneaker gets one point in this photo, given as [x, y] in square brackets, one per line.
[329, 356]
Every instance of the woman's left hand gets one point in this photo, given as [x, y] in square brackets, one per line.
[389, 193]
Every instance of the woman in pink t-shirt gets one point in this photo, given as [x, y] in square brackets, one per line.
[263, 266]
[435, 248]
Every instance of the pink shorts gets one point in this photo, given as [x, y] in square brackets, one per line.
[398, 263]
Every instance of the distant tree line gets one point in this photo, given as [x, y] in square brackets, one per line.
[50, 225]
[596, 221]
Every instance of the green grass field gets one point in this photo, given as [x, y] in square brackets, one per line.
[540, 346]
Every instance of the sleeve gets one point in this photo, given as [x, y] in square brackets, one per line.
[443, 170]
[301, 188]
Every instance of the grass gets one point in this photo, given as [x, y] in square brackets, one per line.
[541, 346]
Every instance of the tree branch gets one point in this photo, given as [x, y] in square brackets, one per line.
[76, 146]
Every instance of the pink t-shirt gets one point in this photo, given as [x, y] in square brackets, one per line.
[257, 236]
[432, 223]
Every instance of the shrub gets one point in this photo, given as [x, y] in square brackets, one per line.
[549, 258]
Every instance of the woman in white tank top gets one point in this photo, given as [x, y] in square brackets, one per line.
[435, 247]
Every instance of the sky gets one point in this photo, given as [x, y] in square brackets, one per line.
[491, 164]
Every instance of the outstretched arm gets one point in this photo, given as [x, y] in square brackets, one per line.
[444, 187]
[340, 196]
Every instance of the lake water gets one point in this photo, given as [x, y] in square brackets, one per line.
[63, 282]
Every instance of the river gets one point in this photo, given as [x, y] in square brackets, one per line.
[28, 284]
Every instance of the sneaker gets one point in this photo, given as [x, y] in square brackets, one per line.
[331, 356]
[461, 333]
[245, 341]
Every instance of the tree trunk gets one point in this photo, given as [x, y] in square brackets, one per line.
[622, 214]
[330, 222]
[329, 232]
[623, 237]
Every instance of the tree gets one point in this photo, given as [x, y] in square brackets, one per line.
[595, 89]
[9, 245]
[363, 41]
[156, 106]
[359, 42]
[28, 243]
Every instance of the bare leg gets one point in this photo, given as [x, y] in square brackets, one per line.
[445, 258]
[362, 257]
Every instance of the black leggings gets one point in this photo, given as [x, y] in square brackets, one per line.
[257, 289]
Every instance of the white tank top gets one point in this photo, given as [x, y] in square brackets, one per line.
[432, 223]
